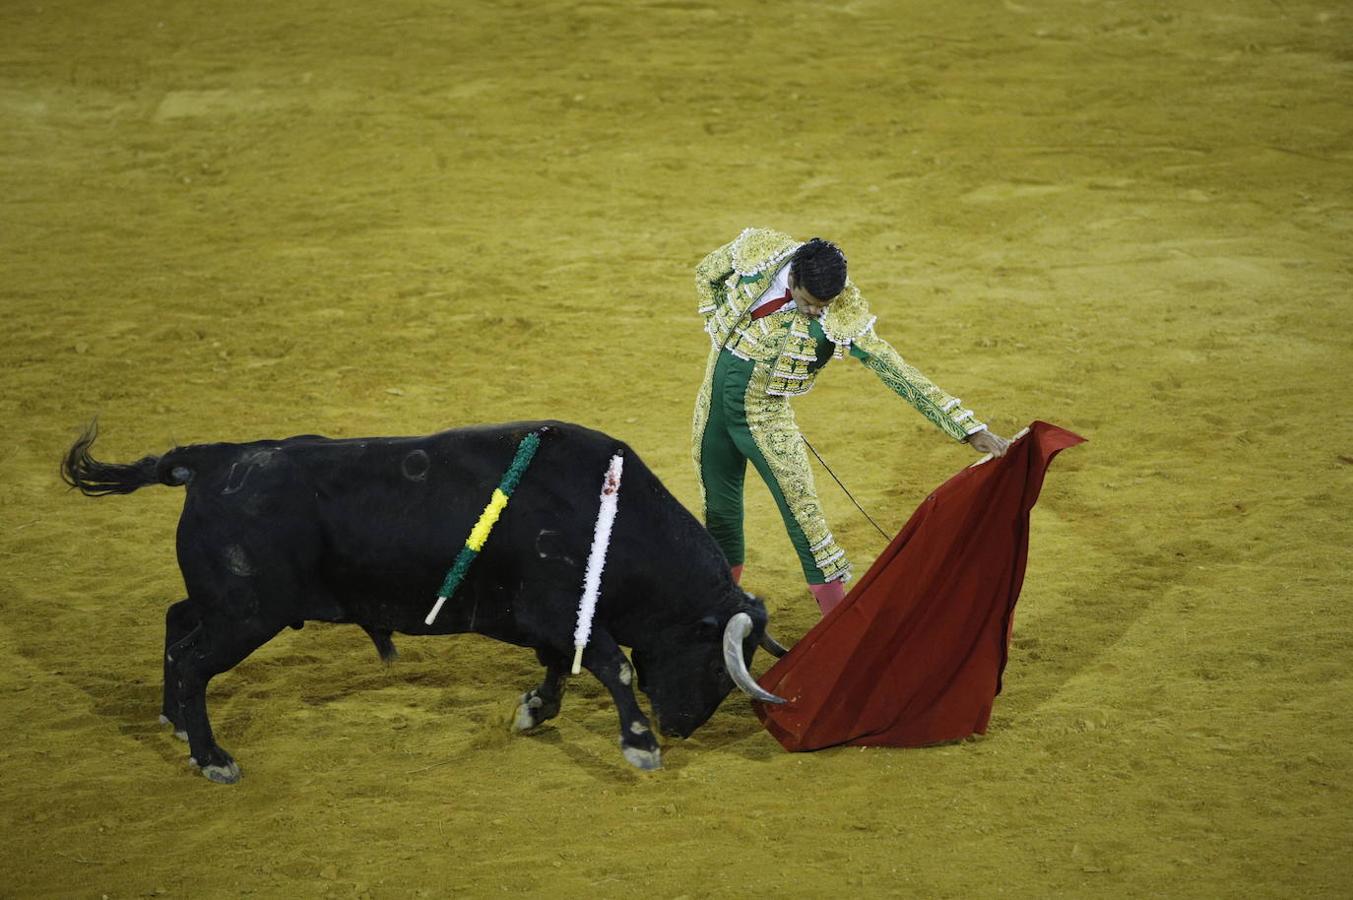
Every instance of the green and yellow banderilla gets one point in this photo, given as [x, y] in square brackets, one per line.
[526, 450]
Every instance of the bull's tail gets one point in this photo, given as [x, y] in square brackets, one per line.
[94, 478]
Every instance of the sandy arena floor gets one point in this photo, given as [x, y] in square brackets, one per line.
[236, 221]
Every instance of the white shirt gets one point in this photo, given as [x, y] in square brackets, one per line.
[778, 286]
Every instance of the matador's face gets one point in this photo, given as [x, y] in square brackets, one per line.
[806, 302]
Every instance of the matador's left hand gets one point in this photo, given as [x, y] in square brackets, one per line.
[989, 442]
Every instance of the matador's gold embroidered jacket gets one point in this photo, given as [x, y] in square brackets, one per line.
[730, 280]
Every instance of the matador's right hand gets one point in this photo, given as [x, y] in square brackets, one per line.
[989, 442]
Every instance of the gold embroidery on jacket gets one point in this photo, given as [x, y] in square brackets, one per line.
[908, 383]
[700, 420]
[729, 280]
[770, 419]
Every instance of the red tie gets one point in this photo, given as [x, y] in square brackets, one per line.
[771, 306]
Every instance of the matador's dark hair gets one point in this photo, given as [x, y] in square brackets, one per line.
[820, 267]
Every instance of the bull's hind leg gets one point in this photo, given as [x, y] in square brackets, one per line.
[541, 703]
[179, 621]
[212, 647]
[604, 659]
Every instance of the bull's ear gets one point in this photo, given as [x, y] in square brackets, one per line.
[709, 627]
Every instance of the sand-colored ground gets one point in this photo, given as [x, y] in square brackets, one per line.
[235, 221]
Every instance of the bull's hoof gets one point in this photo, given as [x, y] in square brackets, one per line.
[524, 719]
[531, 712]
[178, 732]
[227, 774]
[527, 715]
[648, 760]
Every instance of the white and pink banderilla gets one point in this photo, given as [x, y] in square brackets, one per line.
[596, 560]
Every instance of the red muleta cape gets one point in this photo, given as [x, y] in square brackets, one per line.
[915, 652]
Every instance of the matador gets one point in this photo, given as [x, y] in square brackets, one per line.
[777, 311]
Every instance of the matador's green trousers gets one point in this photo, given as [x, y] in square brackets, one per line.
[743, 424]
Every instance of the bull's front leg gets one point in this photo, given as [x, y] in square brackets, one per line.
[541, 703]
[605, 660]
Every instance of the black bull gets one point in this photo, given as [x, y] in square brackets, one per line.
[274, 533]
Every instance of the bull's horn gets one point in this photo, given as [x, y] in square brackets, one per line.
[772, 646]
[733, 635]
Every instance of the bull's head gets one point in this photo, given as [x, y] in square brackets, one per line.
[690, 667]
